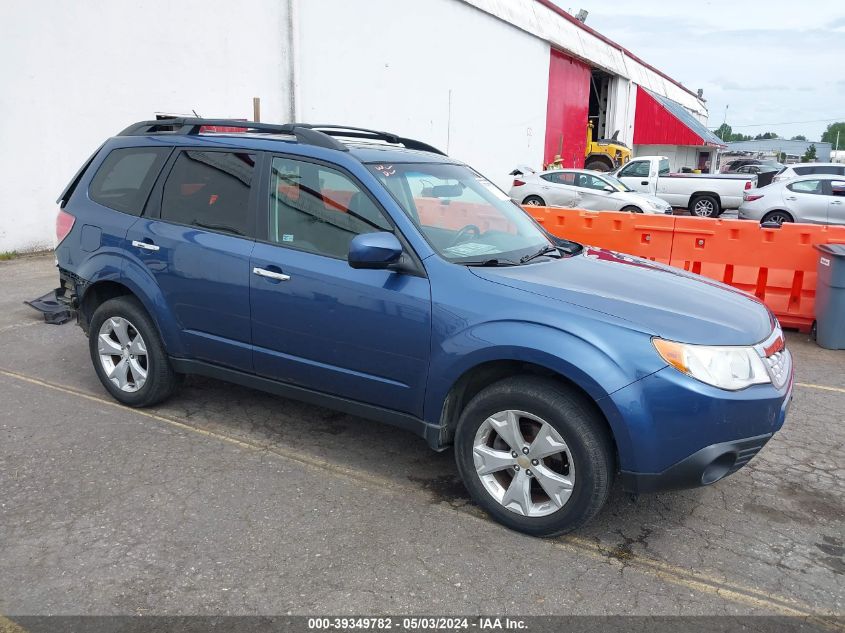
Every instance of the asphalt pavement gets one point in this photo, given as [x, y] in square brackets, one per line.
[229, 501]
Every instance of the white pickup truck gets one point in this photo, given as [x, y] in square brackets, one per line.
[705, 195]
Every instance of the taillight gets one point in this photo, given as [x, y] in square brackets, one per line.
[518, 183]
[64, 223]
[751, 197]
[748, 184]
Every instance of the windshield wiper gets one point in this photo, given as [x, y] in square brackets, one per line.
[543, 251]
[490, 262]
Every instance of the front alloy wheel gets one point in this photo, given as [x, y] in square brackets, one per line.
[523, 463]
[519, 444]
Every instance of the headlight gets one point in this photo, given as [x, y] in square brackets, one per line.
[731, 368]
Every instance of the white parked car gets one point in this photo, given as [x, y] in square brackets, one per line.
[705, 195]
[817, 199]
[806, 169]
[581, 189]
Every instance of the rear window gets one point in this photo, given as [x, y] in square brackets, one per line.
[124, 180]
[828, 169]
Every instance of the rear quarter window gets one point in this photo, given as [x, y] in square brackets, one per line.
[125, 178]
[802, 171]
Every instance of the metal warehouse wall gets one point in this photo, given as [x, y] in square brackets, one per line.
[568, 104]
[78, 72]
[440, 70]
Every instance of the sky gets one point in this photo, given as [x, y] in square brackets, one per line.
[772, 63]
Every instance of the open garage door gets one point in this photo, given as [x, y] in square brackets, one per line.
[568, 106]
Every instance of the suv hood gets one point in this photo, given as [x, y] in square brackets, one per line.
[658, 299]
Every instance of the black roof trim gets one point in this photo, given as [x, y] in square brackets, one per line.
[306, 133]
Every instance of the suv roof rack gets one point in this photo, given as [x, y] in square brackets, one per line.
[305, 133]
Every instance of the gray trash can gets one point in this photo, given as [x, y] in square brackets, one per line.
[830, 296]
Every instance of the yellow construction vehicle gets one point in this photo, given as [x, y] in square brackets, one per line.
[604, 154]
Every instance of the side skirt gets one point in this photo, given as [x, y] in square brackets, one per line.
[430, 432]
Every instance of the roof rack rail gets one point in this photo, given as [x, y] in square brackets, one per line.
[305, 133]
[364, 133]
[192, 126]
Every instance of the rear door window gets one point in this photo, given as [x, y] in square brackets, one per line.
[125, 178]
[806, 186]
[210, 190]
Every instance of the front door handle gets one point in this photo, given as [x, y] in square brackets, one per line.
[836, 202]
[644, 182]
[270, 274]
[791, 198]
[145, 245]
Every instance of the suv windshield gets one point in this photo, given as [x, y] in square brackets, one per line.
[465, 217]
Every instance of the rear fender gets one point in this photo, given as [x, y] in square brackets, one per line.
[116, 267]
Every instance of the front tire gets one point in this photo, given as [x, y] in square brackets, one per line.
[535, 455]
[534, 201]
[128, 354]
[631, 209]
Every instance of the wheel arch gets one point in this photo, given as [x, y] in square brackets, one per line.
[130, 279]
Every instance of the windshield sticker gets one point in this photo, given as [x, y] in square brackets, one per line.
[467, 249]
[386, 170]
[489, 186]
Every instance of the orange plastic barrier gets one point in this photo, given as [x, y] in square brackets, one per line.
[648, 236]
[776, 265]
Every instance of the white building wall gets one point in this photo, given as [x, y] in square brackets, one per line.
[574, 40]
[75, 73]
[440, 71]
[679, 155]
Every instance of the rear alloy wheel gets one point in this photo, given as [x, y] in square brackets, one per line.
[778, 217]
[128, 355]
[535, 455]
[534, 201]
[704, 207]
[631, 209]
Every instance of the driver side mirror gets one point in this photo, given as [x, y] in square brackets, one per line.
[374, 250]
[608, 189]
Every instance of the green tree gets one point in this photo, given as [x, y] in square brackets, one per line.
[798, 137]
[809, 155]
[829, 135]
[724, 132]
[766, 135]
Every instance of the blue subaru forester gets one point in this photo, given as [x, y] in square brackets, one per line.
[371, 273]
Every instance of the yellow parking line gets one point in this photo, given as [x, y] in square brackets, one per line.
[7, 626]
[697, 581]
[810, 385]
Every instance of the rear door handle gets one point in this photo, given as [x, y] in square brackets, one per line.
[791, 198]
[145, 245]
[270, 274]
[836, 202]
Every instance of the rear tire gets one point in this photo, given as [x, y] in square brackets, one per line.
[631, 209]
[548, 415]
[534, 201]
[779, 217]
[598, 165]
[120, 335]
[705, 207]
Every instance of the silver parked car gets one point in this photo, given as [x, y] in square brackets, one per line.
[807, 169]
[818, 199]
[581, 189]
